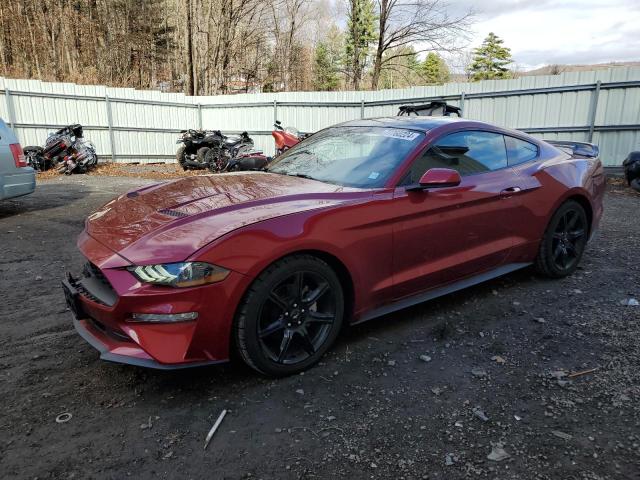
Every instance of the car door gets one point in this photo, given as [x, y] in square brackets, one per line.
[445, 234]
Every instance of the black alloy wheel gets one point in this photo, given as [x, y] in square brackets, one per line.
[564, 242]
[568, 239]
[290, 316]
[296, 318]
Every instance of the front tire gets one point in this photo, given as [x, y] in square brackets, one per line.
[201, 156]
[290, 316]
[564, 241]
[216, 160]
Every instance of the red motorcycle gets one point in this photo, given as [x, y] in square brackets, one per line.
[286, 137]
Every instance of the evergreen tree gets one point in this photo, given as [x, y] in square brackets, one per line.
[325, 76]
[434, 69]
[361, 33]
[491, 59]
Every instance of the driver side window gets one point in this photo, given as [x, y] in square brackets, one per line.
[469, 153]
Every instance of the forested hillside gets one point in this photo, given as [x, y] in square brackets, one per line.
[223, 46]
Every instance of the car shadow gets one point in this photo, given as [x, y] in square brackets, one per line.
[431, 315]
[46, 196]
[425, 318]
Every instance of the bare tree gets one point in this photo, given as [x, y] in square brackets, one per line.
[289, 18]
[425, 24]
[204, 47]
[191, 73]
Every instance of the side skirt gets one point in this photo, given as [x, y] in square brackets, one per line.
[441, 291]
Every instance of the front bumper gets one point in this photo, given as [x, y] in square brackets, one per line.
[113, 350]
[106, 323]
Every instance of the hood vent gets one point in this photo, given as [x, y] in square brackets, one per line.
[173, 213]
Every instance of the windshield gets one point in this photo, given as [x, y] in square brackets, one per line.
[292, 131]
[363, 157]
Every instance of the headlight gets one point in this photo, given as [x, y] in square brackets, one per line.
[184, 274]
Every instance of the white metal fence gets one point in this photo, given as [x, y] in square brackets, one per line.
[128, 125]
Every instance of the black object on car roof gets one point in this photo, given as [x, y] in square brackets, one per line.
[437, 108]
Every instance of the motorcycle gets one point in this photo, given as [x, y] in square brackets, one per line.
[247, 161]
[631, 166]
[81, 159]
[196, 144]
[286, 138]
[232, 153]
[65, 142]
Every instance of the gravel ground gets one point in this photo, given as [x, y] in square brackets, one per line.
[484, 383]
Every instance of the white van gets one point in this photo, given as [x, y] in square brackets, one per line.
[16, 178]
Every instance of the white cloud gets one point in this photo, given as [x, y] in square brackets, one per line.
[546, 32]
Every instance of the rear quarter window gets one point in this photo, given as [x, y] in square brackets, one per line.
[520, 151]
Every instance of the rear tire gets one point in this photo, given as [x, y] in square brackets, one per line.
[564, 241]
[290, 316]
[180, 157]
[32, 148]
[635, 184]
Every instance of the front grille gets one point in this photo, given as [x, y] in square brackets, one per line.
[92, 271]
[94, 286]
[86, 293]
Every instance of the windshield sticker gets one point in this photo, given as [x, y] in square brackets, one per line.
[401, 134]
[374, 175]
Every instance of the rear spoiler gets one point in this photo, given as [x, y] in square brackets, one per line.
[582, 149]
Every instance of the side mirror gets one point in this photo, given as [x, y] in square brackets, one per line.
[437, 178]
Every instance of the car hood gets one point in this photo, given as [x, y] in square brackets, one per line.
[170, 221]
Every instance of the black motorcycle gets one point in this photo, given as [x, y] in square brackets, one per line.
[437, 108]
[196, 144]
[225, 156]
[248, 161]
[631, 166]
[65, 146]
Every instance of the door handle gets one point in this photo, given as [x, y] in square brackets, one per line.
[507, 192]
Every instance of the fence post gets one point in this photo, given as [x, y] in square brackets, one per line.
[462, 104]
[593, 109]
[200, 116]
[110, 125]
[11, 113]
[362, 108]
[275, 111]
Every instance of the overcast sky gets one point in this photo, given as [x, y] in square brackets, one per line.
[543, 32]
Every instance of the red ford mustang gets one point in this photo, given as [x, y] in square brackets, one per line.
[356, 221]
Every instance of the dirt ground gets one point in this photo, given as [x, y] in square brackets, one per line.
[484, 383]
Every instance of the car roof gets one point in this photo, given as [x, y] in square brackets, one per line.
[415, 123]
[6, 134]
[426, 124]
